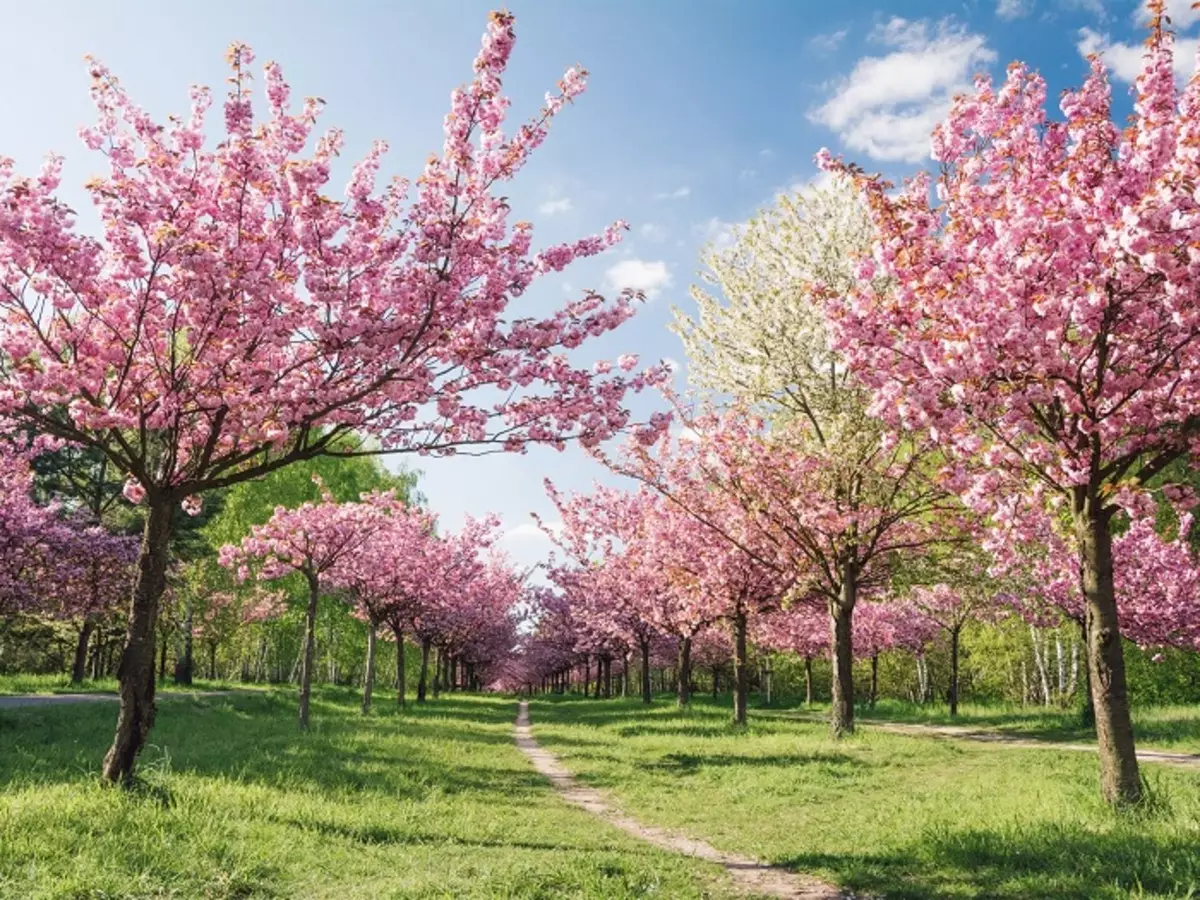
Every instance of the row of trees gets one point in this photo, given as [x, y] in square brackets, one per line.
[972, 395]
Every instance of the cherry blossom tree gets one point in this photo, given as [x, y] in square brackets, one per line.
[311, 540]
[834, 520]
[1039, 317]
[232, 318]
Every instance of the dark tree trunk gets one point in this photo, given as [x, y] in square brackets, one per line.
[647, 689]
[437, 673]
[212, 660]
[684, 687]
[1120, 782]
[310, 647]
[587, 675]
[625, 675]
[954, 642]
[874, 679]
[740, 683]
[606, 667]
[136, 671]
[423, 681]
[808, 680]
[400, 674]
[369, 677]
[79, 666]
[841, 713]
[184, 665]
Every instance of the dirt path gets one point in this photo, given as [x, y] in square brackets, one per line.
[969, 733]
[20, 700]
[750, 875]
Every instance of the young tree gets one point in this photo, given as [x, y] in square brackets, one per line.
[1040, 319]
[312, 540]
[232, 319]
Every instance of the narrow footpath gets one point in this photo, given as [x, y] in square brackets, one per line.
[752, 876]
[971, 733]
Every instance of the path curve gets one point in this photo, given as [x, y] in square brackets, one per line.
[750, 875]
[20, 700]
[971, 733]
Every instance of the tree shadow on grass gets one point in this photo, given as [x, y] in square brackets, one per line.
[834, 764]
[1060, 861]
[254, 738]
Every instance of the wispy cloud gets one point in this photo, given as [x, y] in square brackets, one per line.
[829, 41]
[1008, 10]
[678, 194]
[1125, 60]
[554, 207]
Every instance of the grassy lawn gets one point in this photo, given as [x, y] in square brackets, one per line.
[61, 684]
[884, 813]
[1173, 728]
[236, 803]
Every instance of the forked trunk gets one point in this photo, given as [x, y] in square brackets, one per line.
[1119, 778]
[647, 690]
[136, 670]
[310, 648]
[954, 645]
[841, 711]
[684, 691]
[740, 682]
[369, 679]
[423, 681]
[400, 698]
[79, 667]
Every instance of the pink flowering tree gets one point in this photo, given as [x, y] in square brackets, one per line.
[800, 628]
[384, 579]
[232, 318]
[1040, 318]
[834, 520]
[311, 540]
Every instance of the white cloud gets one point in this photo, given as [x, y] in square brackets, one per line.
[671, 363]
[1013, 9]
[829, 41]
[649, 277]
[529, 531]
[888, 105]
[1094, 7]
[554, 207]
[678, 194]
[717, 232]
[1180, 12]
[653, 231]
[1125, 60]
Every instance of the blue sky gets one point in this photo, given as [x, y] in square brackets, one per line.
[697, 114]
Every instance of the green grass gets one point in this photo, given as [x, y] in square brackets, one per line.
[1173, 728]
[61, 684]
[905, 817]
[236, 803]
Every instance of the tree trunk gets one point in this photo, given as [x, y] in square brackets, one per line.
[740, 687]
[423, 681]
[136, 671]
[606, 665]
[625, 675]
[587, 675]
[1119, 778]
[401, 700]
[684, 690]
[184, 665]
[874, 680]
[647, 690]
[310, 648]
[369, 678]
[954, 642]
[79, 667]
[841, 712]
[808, 681]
